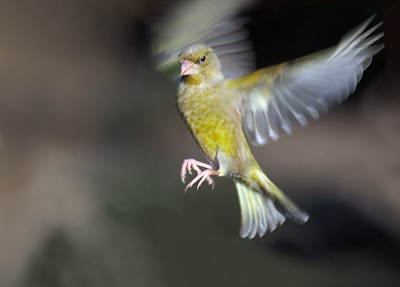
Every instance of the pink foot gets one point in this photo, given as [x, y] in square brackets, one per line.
[204, 175]
[188, 164]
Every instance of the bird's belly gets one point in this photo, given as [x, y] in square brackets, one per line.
[220, 136]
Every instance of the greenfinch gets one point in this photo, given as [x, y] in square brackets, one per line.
[264, 104]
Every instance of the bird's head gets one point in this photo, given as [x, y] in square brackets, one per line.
[200, 64]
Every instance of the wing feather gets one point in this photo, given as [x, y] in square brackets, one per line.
[286, 96]
[192, 22]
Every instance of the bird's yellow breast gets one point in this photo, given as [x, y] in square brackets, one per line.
[212, 119]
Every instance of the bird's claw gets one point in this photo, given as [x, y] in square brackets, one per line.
[190, 164]
[201, 177]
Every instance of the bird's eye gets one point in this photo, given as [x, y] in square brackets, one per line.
[202, 58]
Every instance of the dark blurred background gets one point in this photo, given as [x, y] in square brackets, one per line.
[91, 146]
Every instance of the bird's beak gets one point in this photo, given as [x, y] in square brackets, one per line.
[187, 68]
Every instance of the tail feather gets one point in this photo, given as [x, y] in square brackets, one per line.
[281, 201]
[262, 212]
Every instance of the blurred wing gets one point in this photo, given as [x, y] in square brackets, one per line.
[209, 22]
[278, 98]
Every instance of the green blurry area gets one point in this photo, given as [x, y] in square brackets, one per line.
[92, 146]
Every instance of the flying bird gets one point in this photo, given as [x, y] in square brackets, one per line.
[219, 110]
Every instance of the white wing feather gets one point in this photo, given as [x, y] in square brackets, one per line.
[308, 87]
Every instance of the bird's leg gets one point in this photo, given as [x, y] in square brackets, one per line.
[188, 164]
[204, 175]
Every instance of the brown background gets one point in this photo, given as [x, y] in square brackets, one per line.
[91, 146]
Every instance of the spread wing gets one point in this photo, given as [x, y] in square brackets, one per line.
[278, 98]
[209, 22]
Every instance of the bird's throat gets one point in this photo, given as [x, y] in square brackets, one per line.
[195, 79]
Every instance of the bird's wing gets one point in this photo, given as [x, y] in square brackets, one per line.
[208, 22]
[278, 98]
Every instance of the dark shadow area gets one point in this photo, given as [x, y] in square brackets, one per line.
[337, 228]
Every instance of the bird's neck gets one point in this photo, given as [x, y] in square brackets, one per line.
[195, 79]
[198, 79]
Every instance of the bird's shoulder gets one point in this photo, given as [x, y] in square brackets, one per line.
[260, 76]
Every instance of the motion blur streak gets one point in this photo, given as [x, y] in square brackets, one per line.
[91, 144]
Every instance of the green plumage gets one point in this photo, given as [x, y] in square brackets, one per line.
[264, 104]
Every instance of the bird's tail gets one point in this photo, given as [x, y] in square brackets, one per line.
[267, 210]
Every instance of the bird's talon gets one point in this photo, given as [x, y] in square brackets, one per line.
[210, 181]
[197, 169]
[190, 164]
[187, 187]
